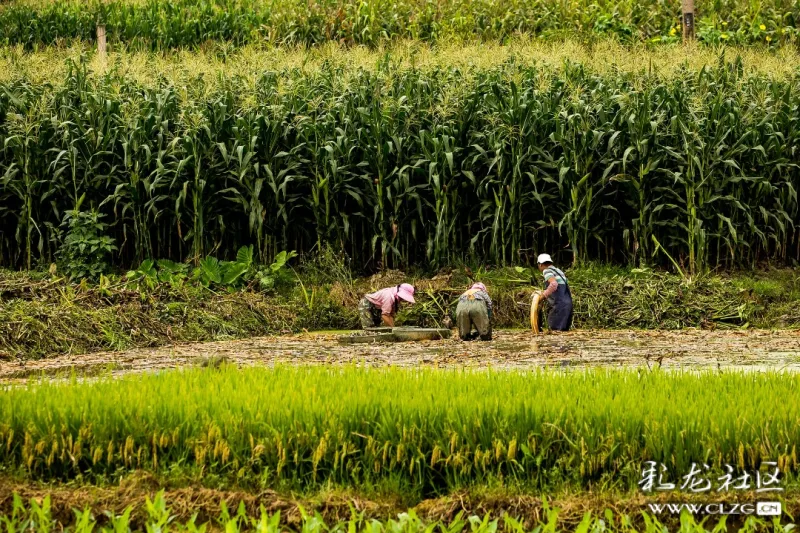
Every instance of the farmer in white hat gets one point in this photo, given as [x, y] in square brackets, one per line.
[474, 309]
[557, 294]
[382, 306]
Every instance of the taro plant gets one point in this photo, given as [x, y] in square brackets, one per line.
[150, 273]
[242, 271]
[211, 272]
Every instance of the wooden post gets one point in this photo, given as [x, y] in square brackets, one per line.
[101, 41]
[688, 19]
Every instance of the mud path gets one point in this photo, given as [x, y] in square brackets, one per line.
[687, 349]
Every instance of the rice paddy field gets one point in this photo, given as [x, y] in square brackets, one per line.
[474, 433]
[189, 219]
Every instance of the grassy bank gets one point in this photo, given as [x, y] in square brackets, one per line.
[42, 315]
[304, 428]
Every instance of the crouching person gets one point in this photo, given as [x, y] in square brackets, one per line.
[474, 309]
[380, 307]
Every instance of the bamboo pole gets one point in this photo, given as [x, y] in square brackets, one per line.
[688, 19]
[101, 42]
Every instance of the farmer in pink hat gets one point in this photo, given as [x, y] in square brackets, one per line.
[474, 309]
[382, 306]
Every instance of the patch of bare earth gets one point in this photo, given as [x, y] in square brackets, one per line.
[685, 349]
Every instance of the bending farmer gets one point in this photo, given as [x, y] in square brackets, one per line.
[383, 305]
[474, 309]
[557, 294]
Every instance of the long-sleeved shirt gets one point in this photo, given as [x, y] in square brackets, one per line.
[553, 277]
[552, 287]
[385, 300]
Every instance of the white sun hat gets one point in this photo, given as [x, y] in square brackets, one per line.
[544, 258]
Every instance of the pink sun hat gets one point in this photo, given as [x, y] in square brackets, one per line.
[406, 292]
[480, 286]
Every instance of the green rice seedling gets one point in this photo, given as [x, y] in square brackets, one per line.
[305, 427]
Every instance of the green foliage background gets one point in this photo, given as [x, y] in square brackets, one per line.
[189, 23]
[401, 165]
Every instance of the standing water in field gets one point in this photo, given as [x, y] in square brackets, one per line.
[399, 334]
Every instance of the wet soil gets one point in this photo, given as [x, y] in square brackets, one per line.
[756, 350]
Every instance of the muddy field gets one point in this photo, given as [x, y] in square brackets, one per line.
[687, 349]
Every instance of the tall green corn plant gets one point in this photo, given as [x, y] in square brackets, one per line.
[340, 187]
[520, 152]
[372, 135]
[84, 128]
[710, 141]
[542, 190]
[373, 142]
[579, 138]
[438, 162]
[686, 171]
[727, 129]
[492, 161]
[191, 179]
[410, 154]
[247, 187]
[139, 197]
[22, 181]
[329, 148]
[279, 168]
[521, 119]
[637, 139]
[771, 196]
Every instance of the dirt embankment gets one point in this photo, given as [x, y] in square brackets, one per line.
[186, 501]
[43, 316]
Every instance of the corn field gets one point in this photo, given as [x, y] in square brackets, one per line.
[188, 23]
[303, 427]
[409, 165]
